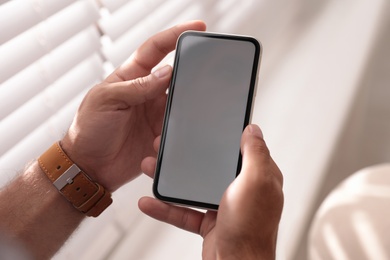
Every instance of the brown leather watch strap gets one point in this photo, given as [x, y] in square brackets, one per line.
[85, 195]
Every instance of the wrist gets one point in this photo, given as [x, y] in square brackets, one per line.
[86, 195]
[77, 156]
[33, 213]
[36, 180]
[81, 155]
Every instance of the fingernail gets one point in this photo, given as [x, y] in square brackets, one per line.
[255, 130]
[162, 72]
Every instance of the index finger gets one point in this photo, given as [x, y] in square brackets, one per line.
[184, 218]
[151, 52]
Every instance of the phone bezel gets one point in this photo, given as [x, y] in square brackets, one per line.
[248, 112]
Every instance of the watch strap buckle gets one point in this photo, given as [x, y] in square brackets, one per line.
[67, 177]
[84, 194]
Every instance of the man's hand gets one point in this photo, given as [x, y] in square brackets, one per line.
[118, 120]
[246, 224]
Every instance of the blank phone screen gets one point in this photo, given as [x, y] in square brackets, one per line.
[208, 107]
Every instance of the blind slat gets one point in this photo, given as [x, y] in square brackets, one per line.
[113, 5]
[233, 21]
[32, 12]
[24, 85]
[122, 48]
[127, 16]
[37, 141]
[23, 50]
[29, 116]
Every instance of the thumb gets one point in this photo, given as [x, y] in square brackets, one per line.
[139, 90]
[257, 163]
[253, 148]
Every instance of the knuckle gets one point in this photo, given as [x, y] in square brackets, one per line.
[141, 84]
[160, 47]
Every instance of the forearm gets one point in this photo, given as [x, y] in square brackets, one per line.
[34, 213]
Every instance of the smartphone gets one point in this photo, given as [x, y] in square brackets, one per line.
[209, 103]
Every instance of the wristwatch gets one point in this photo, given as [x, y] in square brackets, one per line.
[76, 186]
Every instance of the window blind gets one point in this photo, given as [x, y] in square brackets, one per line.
[32, 13]
[156, 15]
[47, 59]
[19, 88]
[30, 45]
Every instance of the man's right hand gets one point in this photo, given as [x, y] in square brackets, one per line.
[246, 224]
